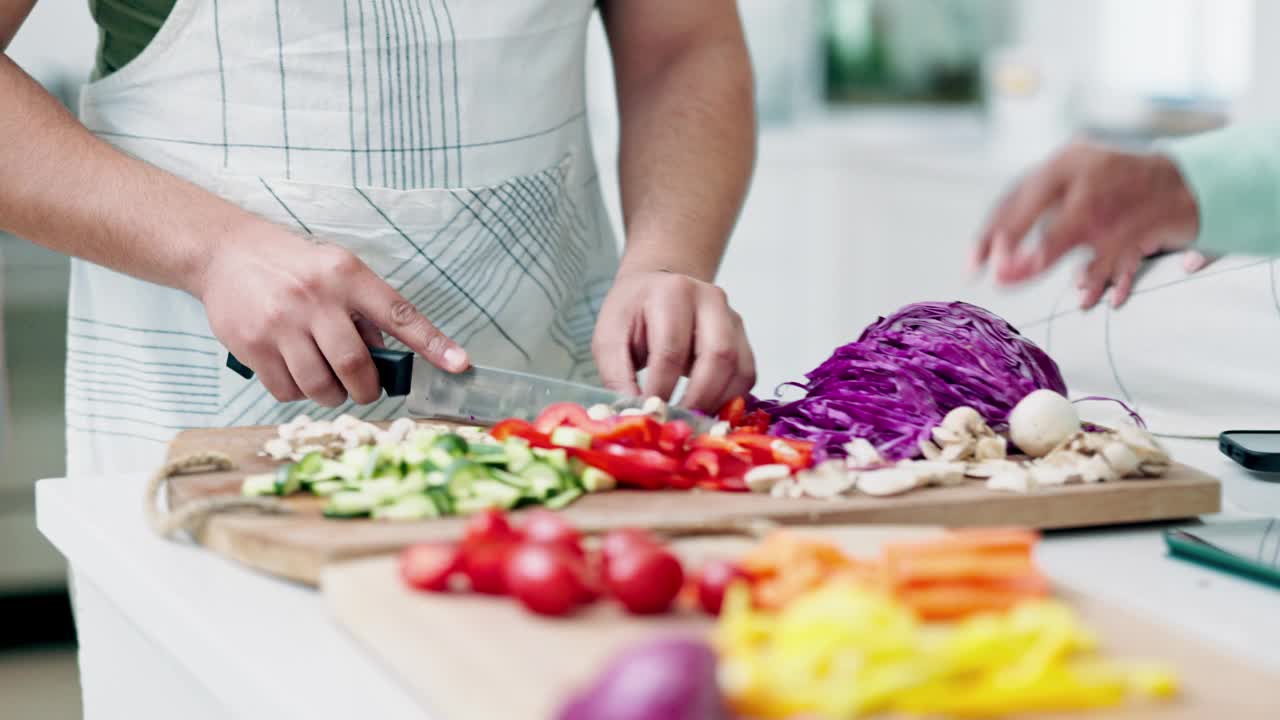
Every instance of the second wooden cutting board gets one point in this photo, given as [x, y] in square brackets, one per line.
[298, 546]
[476, 658]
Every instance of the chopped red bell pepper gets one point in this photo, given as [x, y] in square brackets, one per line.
[633, 431]
[756, 421]
[725, 446]
[674, 437]
[564, 413]
[515, 427]
[733, 411]
[765, 449]
[636, 467]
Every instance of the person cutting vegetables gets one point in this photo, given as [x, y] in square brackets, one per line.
[1212, 194]
[289, 181]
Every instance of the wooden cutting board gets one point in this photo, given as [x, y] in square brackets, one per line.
[473, 658]
[298, 546]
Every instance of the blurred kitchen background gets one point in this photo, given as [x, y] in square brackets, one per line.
[888, 127]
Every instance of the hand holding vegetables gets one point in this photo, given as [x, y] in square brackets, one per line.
[1124, 206]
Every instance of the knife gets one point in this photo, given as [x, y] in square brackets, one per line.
[484, 395]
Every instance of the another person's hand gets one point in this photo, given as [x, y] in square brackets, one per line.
[302, 315]
[672, 325]
[1124, 206]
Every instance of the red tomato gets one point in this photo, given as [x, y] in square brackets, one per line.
[544, 578]
[713, 581]
[488, 526]
[620, 542]
[645, 581]
[484, 565]
[590, 583]
[430, 566]
[549, 527]
[571, 414]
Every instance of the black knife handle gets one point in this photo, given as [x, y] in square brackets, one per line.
[395, 369]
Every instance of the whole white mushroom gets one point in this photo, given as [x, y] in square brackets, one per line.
[1042, 420]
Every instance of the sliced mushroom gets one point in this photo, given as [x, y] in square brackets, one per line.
[599, 411]
[992, 447]
[990, 468]
[1095, 468]
[889, 481]
[763, 478]
[937, 472]
[278, 448]
[1012, 479]
[1121, 458]
[862, 454]
[825, 485]
[965, 421]
[929, 450]
[655, 406]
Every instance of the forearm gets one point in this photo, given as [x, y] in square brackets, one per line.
[687, 151]
[63, 188]
[1234, 175]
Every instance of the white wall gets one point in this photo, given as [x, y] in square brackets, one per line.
[58, 40]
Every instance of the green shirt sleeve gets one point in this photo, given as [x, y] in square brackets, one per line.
[1234, 174]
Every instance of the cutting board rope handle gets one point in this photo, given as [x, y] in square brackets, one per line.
[192, 516]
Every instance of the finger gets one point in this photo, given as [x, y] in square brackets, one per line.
[745, 379]
[274, 376]
[311, 373]
[669, 326]
[1093, 283]
[1122, 278]
[715, 357]
[611, 348]
[376, 301]
[348, 357]
[1015, 219]
[369, 333]
[1195, 261]
[1069, 229]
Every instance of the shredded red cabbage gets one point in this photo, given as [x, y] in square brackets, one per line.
[906, 372]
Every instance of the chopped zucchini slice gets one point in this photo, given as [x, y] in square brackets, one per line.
[416, 457]
[555, 502]
[572, 437]
[309, 467]
[462, 474]
[350, 503]
[441, 499]
[451, 443]
[410, 507]
[469, 505]
[488, 454]
[509, 478]
[382, 489]
[503, 495]
[543, 480]
[557, 457]
[327, 487]
[437, 478]
[287, 480]
[414, 483]
[264, 484]
[596, 480]
[518, 454]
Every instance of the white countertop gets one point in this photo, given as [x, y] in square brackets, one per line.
[267, 648]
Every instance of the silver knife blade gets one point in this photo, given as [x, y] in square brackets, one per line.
[484, 395]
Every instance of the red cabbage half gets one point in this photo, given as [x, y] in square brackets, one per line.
[897, 381]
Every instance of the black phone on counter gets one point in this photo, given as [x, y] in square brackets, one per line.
[1258, 450]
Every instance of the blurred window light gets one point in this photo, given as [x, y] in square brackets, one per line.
[1199, 49]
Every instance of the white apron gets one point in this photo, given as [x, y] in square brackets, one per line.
[443, 141]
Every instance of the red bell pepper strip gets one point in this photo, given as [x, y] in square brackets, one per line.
[634, 431]
[765, 449]
[733, 411]
[634, 467]
[756, 421]
[674, 437]
[728, 447]
[558, 414]
[515, 427]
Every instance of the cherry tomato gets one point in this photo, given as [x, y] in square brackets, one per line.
[620, 542]
[646, 581]
[430, 566]
[713, 581]
[544, 578]
[488, 526]
[484, 565]
[546, 526]
[590, 582]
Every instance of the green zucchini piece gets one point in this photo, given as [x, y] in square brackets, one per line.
[543, 479]
[414, 483]
[451, 443]
[557, 457]
[518, 454]
[441, 499]
[382, 489]
[488, 454]
[462, 474]
[503, 495]
[264, 484]
[596, 480]
[555, 502]
[410, 507]
[327, 487]
[287, 480]
[572, 437]
[309, 467]
[349, 503]
[437, 478]
[509, 478]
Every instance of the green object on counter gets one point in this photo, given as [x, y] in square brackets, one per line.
[1250, 548]
[125, 28]
[1234, 174]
